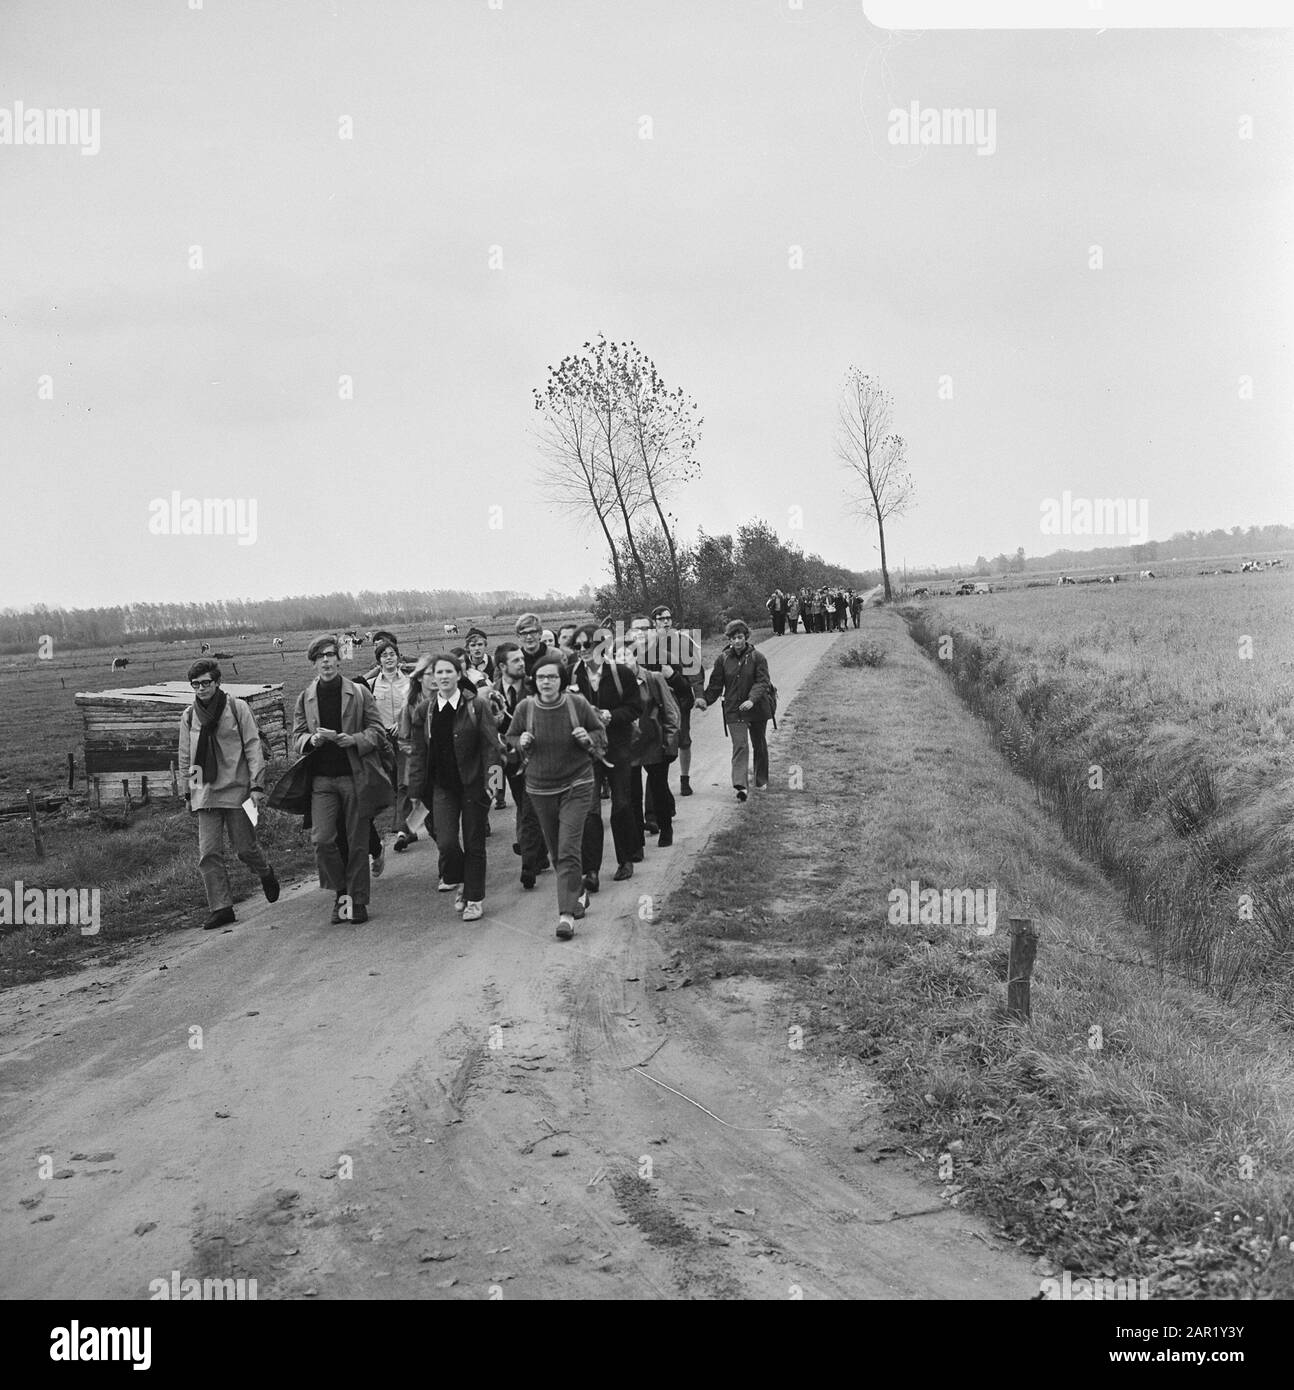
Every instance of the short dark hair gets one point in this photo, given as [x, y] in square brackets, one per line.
[503, 651]
[204, 666]
[552, 657]
[452, 657]
[659, 609]
[384, 645]
[737, 625]
[319, 643]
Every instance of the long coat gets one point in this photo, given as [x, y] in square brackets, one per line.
[476, 745]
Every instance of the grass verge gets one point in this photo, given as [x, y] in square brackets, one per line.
[1136, 1127]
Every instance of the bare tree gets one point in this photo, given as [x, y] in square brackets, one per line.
[880, 485]
[616, 441]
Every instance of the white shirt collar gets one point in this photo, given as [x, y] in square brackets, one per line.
[453, 700]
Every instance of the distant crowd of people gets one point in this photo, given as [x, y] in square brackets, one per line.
[560, 720]
[820, 610]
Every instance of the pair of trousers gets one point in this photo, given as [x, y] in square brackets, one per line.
[562, 818]
[334, 808]
[212, 824]
[658, 802]
[529, 835]
[779, 624]
[462, 862]
[756, 729]
[625, 835]
[794, 622]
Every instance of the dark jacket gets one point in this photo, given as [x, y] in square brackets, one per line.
[737, 680]
[476, 745]
[688, 673]
[625, 704]
[659, 704]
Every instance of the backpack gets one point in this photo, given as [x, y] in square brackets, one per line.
[595, 752]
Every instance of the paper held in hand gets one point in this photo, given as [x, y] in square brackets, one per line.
[253, 814]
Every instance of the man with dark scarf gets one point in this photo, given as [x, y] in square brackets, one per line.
[222, 764]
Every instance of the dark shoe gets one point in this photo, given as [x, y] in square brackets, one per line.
[578, 911]
[638, 856]
[359, 913]
[650, 828]
[565, 927]
[623, 872]
[741, 793]
[666, 837]
[270, 886]
[378, 864]
[606, 792]
[591, 881]
[403, 840]
[499, 802]
[684, 786]
[336, 911]
[221, 917]
[527, 880]
[516, 848]
[544, 867]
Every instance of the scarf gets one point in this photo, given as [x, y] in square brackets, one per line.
[208, 717]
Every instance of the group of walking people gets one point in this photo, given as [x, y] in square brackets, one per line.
[561, 721]
[820, 610]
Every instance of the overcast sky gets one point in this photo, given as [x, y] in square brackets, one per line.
[521, 128]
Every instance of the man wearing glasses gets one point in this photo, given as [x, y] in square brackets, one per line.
[533, 646]
[339, 722]
[222, 764]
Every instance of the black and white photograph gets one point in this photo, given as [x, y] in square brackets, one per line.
[646, 656]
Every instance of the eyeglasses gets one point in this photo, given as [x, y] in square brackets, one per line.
[323, 656]
[579, 646]
[201, 685]
[664, 617]
[553, 677]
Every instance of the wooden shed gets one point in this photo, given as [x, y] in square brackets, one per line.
[131, 736]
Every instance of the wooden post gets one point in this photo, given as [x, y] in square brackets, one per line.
[175, 786]
[143, 791]
[96, 796]
[71, 772]
[35, 824]
[125, 793]
[1024, 944]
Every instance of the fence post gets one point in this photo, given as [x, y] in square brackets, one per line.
[1024, 944]
[35, 824]
[175, 786]
[125, 793]
[71, 772]
[96, 795]
[143, 791]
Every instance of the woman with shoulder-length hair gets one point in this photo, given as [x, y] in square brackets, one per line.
[555, 732]
[455, 752]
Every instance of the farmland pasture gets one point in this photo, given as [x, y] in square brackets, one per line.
[1156, 719]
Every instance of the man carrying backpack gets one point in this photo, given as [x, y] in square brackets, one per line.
[740, 677]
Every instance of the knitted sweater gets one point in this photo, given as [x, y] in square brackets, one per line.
[556, 760]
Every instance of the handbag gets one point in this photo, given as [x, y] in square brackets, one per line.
[291, 793]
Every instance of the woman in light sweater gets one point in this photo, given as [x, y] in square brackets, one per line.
[555, 733]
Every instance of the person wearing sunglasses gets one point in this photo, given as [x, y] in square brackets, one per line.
[222, 765]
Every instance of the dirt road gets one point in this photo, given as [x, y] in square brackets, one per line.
[422, 1108]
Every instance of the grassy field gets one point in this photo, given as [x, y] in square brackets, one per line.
[1157, 720]
[1134, 1128]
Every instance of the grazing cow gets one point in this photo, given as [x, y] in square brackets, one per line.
[206, 649]
[1066, 579]
[1147, 574]
[119, 663]
[1248, 565]
[278, 642]
[1110, 579]
[920, 593]
[1278, 564]
[242, 637]
[451, 629]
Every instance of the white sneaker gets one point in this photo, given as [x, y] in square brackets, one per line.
[443, 887]
[473, 912]
[565, 927]
[460, 902]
